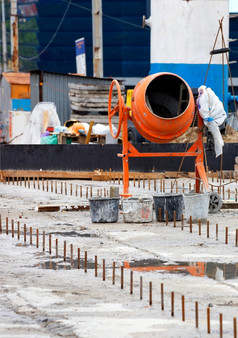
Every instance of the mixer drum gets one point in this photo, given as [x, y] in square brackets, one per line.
[162, 107]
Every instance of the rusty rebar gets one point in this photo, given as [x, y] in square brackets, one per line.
[64, 251]
[56, 247]
[103, 270]
[24, 233]
[37, 238]
[18, 230]
[162, 295]
[221, 325]
[12, 228]
[78, 258]
[208, 321]
[85, 261]
[113, 272]
[141, 287]
[96, 266]
[150, 293]
[30, 235]
[208, 228]
[183, 308]
[235, 327]
[131, 282]
[172, 304]
[43, 244]
[196, 315]
[50, 244]
[122, 277]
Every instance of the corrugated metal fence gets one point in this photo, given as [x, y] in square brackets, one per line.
[53, 87]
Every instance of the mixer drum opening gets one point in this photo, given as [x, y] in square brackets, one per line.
[162, 107]
[167, 96]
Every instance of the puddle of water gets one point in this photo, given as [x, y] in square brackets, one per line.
[61, 265]
[73, 234]
[67, 224]
[22, 244]
[217, 271]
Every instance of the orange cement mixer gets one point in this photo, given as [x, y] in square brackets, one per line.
[162, 109]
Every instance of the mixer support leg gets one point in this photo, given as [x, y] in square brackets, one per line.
[125, 152]
[200, 170]
[197, 182]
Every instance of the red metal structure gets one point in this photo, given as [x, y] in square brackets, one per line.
[162, 109]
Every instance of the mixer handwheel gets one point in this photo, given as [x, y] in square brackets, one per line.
[117, 109]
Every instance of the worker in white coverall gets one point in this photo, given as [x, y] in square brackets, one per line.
[212, 111]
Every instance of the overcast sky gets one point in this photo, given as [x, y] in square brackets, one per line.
[233, 5]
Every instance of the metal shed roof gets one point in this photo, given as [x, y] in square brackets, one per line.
[17, 78]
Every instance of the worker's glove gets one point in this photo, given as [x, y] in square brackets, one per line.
[209, 119]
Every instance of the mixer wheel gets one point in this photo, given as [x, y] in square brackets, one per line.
[215, 202]
[134, 136]
[119, 107]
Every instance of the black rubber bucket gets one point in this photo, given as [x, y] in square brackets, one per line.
[104, 209]
[169, 202]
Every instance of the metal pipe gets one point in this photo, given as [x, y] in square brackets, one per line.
[97, 38]
[14, 37]
[4, 38]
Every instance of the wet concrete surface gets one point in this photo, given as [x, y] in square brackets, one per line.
[43, 296]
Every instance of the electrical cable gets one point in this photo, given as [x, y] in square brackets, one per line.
[108, 16]
[51, 40]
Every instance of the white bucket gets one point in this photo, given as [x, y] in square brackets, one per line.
[196, 205]
[137, 210]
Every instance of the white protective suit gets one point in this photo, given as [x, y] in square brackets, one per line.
[212, 111]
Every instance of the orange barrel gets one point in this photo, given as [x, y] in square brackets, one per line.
[162, 107]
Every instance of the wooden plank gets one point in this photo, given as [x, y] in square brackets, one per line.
[97, 175]
[48, 174]
[89, 104]
[172, 174]
[229, 205]
[89, 93]
[99, 100]
[44, 208]
[90, 117]
[97, 109]
[93, 87]
[53, 208]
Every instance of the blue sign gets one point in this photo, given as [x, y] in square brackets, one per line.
[80, 56]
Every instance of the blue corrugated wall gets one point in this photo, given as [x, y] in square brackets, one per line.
[126, 45]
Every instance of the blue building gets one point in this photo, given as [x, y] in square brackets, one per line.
[48, 30]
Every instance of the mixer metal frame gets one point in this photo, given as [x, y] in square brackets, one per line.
[128, 150]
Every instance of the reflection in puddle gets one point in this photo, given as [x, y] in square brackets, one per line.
[61, 265]
[73, 234]
[22, 244]
[218, 271]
